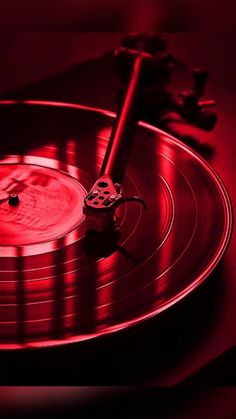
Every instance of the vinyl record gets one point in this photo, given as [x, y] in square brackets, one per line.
[57, 283]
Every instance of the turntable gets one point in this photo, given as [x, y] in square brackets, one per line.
[105, 222]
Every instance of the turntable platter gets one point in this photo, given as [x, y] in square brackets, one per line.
[59, 286]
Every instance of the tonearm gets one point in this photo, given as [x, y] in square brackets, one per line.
[142, 62]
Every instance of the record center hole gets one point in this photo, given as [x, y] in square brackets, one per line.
[102, 184]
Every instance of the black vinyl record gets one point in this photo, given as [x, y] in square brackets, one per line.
[58, 284]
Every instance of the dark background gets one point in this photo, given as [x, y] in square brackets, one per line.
[116, 15]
